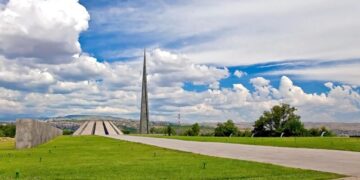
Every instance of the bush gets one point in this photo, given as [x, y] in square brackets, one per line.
[155, 130]
[318, 131]
[128, 130]
[207, 134]
[193, 131]
[246, 133]
[68, 132]
[169, 130]
[226, 129]
[7, 130]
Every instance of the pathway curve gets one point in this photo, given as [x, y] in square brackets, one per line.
[341, 162]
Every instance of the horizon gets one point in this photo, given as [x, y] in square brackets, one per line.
[169, 121]
[209, 65]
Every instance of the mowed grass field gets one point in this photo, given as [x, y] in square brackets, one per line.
[334, 143]
[93, 157]
[7, 143]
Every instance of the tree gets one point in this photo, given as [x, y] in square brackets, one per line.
[280, 119]
[169, 130]
[226, 129]
[7, 130]
[294, 127]
[194, 130]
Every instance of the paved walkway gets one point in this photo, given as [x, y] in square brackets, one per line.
[341, 162]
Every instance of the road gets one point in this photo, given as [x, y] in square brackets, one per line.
[341, 162]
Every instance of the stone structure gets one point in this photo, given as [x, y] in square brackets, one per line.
[30, 133]
[98, 127]
[144, 114]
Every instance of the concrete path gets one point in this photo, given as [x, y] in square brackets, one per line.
[341, 162]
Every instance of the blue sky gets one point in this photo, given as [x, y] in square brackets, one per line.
[103, 44]
[208, 60]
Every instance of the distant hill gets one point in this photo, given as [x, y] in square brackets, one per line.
[84, 117]
[74, 121]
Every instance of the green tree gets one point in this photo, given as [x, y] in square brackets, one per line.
[194, 130]
[281, 118]
[226, 129]
[294, 127]
[7, 130]
[169, 130]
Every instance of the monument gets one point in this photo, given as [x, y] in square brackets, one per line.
[98, 127]
[30, 133]
[144, 114]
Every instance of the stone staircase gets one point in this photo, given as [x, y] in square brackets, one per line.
[98, 128]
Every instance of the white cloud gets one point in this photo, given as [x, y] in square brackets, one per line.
[168, 69]
[44, 30]
[345, 73]
[14, 75]
[81, 85]
[239, 74]
[236, 32]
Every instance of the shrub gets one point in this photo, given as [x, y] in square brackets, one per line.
[155, 130]
[246, 133]
[8, 130]
[68, 132]
[169, 130]
[226, 129]
[193, 131]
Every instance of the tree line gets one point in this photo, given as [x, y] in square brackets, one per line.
[280, 120]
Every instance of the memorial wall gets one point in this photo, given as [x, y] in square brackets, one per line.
[30, 133]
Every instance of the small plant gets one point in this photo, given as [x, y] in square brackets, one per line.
[17, 174]
[204, 165]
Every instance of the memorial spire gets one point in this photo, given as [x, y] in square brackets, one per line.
[144, 114]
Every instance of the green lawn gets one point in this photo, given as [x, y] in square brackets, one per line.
[336, 143]
[93, 157]
[6, 143]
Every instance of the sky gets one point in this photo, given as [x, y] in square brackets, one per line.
[208, 60]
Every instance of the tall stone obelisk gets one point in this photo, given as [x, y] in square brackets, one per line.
[144, 114]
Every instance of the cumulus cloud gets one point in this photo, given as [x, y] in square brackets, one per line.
[61, 79]
[44, 30]
[167, 68]
[14, 75]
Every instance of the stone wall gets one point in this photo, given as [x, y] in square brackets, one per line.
[30, 133]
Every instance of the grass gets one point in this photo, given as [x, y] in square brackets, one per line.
[334, 143]
[7, 143]
[93, 157]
